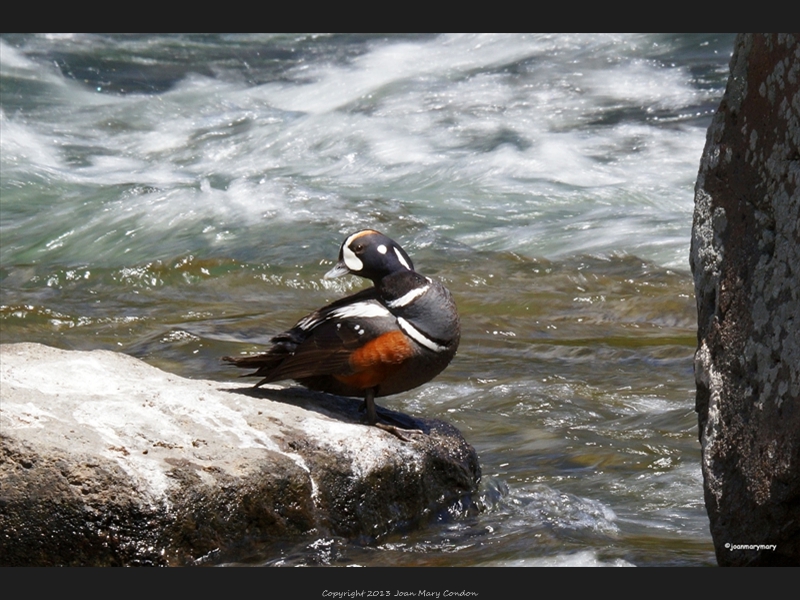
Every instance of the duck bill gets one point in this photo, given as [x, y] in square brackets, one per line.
[337, 271]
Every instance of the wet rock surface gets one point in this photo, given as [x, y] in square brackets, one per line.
[105, 460]
[746, 264]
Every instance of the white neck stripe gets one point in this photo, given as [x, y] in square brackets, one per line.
[419, 337]
[408, 297]
[402, 259]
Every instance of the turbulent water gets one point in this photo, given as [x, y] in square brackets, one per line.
[178, 198]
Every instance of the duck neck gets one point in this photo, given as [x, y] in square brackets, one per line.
[399, 284]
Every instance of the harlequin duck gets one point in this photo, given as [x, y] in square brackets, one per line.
[383, 340]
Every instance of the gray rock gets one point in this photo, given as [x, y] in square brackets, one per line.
[745, 258]
[105, 460]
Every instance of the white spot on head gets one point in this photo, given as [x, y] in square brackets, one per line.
[402, 259]
[382, 249]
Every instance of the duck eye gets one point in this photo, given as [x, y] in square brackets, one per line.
[358, 248]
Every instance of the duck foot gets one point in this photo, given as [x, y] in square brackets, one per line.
[399, 432]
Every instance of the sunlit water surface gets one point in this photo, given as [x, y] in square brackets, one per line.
[178, 198]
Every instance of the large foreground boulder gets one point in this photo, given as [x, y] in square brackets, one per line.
[746, 263]
[105, 460]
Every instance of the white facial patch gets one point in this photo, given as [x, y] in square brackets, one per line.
[419, 337]
[382, 249]
[408, 297]
[351, 260]
[402, 259]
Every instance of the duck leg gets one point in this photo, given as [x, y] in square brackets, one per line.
[372, 418]
[369, 404]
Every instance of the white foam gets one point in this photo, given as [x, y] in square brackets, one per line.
[545, 145]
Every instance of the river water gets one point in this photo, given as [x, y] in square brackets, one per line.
[179, 198]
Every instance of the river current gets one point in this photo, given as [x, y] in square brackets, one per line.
[179, 198]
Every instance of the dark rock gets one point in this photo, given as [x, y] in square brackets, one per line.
[105, 460]
[746, 262]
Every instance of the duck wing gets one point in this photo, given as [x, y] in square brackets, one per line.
[324, 342]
